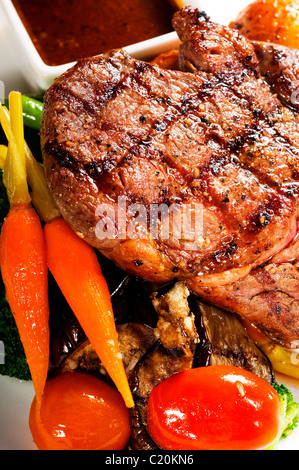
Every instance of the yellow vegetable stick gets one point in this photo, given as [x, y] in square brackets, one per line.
[285, 361]
[15, 178]
[40, 195]
[16, 122]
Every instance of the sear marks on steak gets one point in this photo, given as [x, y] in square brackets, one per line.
[219, 138]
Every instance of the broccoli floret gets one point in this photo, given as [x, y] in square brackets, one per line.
[12, 357]
[13, 363]
[289, 413]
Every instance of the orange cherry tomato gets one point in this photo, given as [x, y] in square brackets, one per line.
[79, 412]
[214, 408]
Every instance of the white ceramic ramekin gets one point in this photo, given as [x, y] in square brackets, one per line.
[41, 75]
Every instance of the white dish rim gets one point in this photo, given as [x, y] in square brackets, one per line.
[42, 74]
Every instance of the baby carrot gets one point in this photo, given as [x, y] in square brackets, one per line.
[75, 267]
[24, 272]
[23, 260]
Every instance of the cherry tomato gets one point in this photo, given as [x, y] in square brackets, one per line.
[214, 408]
[79, 412]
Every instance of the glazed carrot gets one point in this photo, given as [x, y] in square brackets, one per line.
[23, 260]
[24, 272]
[75, 267]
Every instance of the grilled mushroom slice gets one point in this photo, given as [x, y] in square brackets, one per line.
[134, 340]
[224, 340]
[172, 353]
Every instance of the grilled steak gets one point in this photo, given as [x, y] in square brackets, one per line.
[211, 137]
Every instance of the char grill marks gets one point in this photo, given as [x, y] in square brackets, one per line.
[194, 138]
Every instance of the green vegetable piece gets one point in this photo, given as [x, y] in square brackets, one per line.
[32, 112]
[289, 413]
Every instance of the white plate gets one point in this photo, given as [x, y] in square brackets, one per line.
[15, 400]
[16, 396]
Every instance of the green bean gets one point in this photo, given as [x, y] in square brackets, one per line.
[32, 112]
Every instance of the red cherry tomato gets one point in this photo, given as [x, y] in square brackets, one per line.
[214, 408]
[79, 412]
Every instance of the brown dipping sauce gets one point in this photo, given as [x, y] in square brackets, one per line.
[66, 30]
